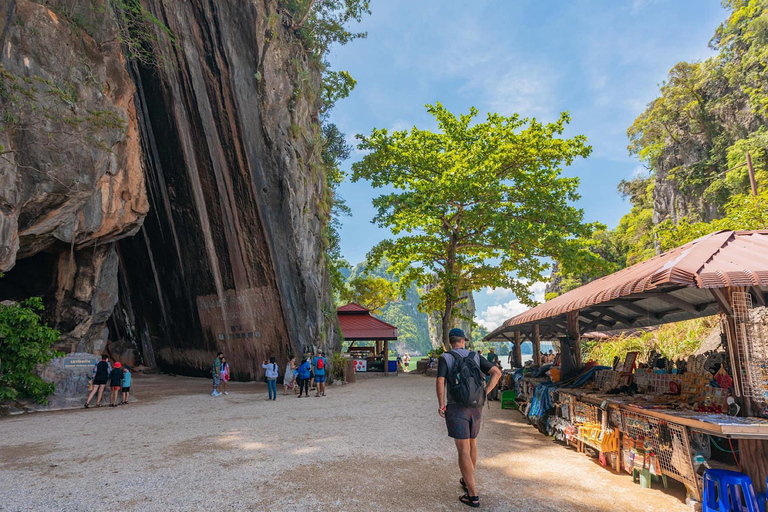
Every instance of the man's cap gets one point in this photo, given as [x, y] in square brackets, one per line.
[456, 333]
[491, 349]
[118, 364]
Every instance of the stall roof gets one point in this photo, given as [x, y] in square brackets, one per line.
[357, 323]
[677, 285]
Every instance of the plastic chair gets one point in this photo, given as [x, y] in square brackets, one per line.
[728, 491]
[762, 498]
[508, 399]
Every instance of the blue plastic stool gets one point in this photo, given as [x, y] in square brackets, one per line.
[728, 491]
[762, 498]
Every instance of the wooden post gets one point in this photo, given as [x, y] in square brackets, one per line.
[753, 453]
[752, 180]
[572, 325]
[386, 358]
[518, 358]
[536, 346]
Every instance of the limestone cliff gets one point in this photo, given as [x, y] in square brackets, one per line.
[213, 144]
[71, 181]
[231, 256]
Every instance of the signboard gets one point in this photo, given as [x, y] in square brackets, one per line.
[361, 365]
[81, 361]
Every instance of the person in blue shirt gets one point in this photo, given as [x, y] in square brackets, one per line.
[126, 385]
[304, 370]
[319, 365]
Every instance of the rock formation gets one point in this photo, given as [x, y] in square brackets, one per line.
[71, 180]
[232, 195]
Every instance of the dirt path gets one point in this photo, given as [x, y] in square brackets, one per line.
[375, 445]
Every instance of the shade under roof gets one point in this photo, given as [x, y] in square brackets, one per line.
[677, 285]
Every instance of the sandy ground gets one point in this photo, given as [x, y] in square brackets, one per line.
[374, 445]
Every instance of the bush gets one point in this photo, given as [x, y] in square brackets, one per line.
[338, 363]
[25, 341]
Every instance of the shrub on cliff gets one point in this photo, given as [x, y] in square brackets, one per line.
[24, 342]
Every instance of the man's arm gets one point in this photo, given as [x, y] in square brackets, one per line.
[495, 374]
[440, 390]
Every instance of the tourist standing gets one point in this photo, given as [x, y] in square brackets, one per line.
[462, 420]
[216, 373]
[224, 375]
[399, 363]
[271, 370]
[319, 365]
[126, 385]
[407, 362]
[492, 357]
[289, 382]
[115, 383]
[99, 381]
[304, 376]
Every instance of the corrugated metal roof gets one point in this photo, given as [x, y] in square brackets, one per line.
[357, 323]
[718, 260]
[353, 307]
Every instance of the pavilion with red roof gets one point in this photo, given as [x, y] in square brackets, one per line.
[357, 324]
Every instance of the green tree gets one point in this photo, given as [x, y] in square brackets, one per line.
[372, 292]
[475, 205]
[25, 341]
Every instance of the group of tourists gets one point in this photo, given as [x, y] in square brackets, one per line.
[301, 378]
[118, 378]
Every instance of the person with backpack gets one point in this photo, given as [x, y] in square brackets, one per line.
[99, 381]
[460, 388]
[319, 364]
[271, 372]
[216, 374]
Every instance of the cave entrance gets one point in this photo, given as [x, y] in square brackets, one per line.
[31, 277]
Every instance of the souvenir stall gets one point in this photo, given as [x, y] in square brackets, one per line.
[659, 419]
[357, 324]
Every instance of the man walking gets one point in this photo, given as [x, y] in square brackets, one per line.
[319, 364]
[216, 371]
[463, 419]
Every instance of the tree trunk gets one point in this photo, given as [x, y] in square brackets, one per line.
[446, 323]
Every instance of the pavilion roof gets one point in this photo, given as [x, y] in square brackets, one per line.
[357, 323]
[680, 284]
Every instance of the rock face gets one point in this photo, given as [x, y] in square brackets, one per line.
[231, 256]
[214, 146]
[71, 180]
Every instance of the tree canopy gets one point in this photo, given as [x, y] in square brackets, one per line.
[475, 204]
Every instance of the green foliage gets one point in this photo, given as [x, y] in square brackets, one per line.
[141, 33]
[371, 292]
[24, 343]
[675, 341]
[321, 23]
[743, 211]
[338, 363]
[476, 205]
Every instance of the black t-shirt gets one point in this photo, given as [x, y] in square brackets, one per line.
[442, 364]
[102, 373]
[116, 377]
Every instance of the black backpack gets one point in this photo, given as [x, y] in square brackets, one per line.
[466, 383]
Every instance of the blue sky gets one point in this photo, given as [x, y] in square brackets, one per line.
[602, 60]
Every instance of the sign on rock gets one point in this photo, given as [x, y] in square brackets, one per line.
[80, 361]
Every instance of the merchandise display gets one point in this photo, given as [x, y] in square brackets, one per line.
[650, 421]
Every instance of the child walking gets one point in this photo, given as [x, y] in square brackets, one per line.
[224, 375]
[126, 385]
[271, 371]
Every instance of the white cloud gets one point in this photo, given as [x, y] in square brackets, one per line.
[494, 316]
[639, 172]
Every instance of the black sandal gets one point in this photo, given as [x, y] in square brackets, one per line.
[463, 485]
[472, 501]
[87, 406]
